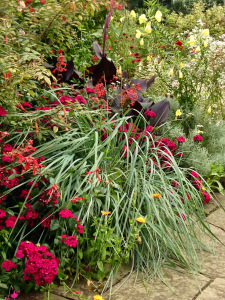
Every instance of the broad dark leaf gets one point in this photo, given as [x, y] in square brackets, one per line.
[162, 111]
[142, 83]
[97, 50]
[106, 68]
[151, 81]
[70, 70]
[124, 75]
[135, 109]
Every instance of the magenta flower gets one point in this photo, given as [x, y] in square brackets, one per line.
[194, 174]
[150, 113]
[8, 265]
[180, 139]
[198, 138]
[66, 213]
[2, 111]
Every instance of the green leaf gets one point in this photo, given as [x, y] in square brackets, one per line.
[80, 253]
[31, 93]
[54, 224]
[100, 266]
[55, 129]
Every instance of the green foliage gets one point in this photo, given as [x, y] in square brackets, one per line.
[215, 177]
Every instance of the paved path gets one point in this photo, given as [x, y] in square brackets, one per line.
[208, 285]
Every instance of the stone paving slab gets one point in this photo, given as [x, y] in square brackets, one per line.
[214, 265]
[181, 286]
[215, 291]
[217, 218]
[213, 205]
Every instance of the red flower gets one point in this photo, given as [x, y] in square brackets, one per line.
[179, 43]
[119, 6]
[150, 113]
[207, 197]
[198, 138]
[2, 214]
[2, 111]
[94, 58]
[66, 213]
[8, 265]
[180, 139]
[10, 222]
[194, 174]
[70, 241]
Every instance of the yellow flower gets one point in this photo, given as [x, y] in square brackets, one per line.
[205, 32]
[122, 19]
[133, 14]
[149, 58]
[178, 113]
[191, 40]
[202, 188]
[156, 195]
[98, 297]
[142, 19]
[158, 16]
[198, 49]
[205, 44]
[209, 110]
[148, 28]
[119, 70]
[181, 65]
[180, 74]
[141, 42]
[105, 213]
[171, 72]
[141, 220]
[138, 34]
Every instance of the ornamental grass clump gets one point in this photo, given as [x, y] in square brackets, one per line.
[109, 192]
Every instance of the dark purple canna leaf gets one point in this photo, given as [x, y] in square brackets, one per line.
[124, 75]
[97, 50]
[135, 109]
[162, 111]
[104, 68]
[141, 82]
[151, 81]
[107, 21]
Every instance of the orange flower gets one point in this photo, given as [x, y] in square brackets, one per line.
[105, 213]
[156, 195]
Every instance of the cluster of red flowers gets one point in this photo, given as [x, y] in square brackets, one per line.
[8, 265]
[198, 184]
[60, 63]
[40, 264]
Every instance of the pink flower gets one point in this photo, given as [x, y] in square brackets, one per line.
[149, 128]
[194, 174]
[180, 139]
[8, 265]
[207, 197]
[119, 6]
[175, 183]
[15, 294]
[80, 228]
[150, 113]
[182, 216]
[19, 254]
[10, 222]
[78, 292]
[90, 90]
[66, 213]
[2, 213]
[2, 111]
[198, 138]
[70, 241]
